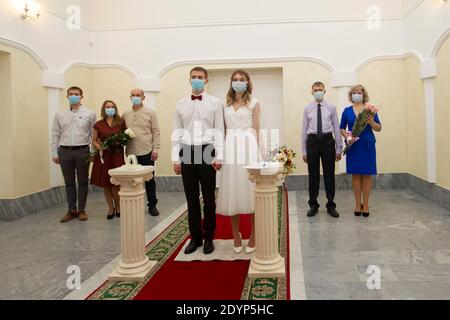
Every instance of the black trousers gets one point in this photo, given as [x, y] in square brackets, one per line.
[195, 173]
[150, 186]
[324, 150]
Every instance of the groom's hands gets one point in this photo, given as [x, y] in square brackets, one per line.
[217, 165]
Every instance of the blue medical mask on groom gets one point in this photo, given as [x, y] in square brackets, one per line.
[198, 84]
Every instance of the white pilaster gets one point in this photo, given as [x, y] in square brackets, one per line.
[428, 74]
[151, 87]
[54, 82]
[343, 81]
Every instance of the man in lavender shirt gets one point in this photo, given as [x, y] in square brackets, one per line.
[320, 121]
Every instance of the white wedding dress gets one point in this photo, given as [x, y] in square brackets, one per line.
[236, 192]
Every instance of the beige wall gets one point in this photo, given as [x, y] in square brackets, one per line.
[442, 93]
[29, 130]
[386, 85]
[415, 117]
[6, 129]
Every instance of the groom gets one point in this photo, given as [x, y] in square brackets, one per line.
[197, 154]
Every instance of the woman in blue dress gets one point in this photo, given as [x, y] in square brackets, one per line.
[361, 157]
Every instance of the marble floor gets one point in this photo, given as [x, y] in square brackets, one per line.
[36, 251]
[406, 239]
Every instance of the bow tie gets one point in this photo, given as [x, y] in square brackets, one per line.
[196, 98]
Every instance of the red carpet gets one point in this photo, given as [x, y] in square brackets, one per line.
[216, 280]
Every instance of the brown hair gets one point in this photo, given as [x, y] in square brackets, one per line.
[75, 88]
[317, 84]
[364, 90]
[117, 119]
[231, 96]
[200, 69]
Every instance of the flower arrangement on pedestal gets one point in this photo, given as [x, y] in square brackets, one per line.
[286, 156]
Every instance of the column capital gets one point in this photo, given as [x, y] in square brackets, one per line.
[428, 69]
[149, 84]
[53, 80]
[343, 79]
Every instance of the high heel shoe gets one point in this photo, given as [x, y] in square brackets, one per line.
[117, 214]
[111, 216]
[365, 214]
[358, 213]
[238, 249]
[249, 250]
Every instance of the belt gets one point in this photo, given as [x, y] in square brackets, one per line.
[324, 135]
[196, 147]
[73, 147]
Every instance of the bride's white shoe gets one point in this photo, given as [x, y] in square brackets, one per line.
[249, 250]
[238, 249]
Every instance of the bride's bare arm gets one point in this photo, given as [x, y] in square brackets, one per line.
[257, 120]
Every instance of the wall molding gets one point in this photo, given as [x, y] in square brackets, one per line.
[100, 66]
[389, 57]
[25, 49]
[440, 42]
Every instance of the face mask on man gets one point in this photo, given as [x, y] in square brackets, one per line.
[73, 99]
[136, 101]
[110, 112]
[318, 95]
[357, 97]
[239, 86]
[198, 84]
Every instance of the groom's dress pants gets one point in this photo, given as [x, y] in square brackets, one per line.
[196, 169]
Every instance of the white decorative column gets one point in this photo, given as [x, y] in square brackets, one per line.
[134, 264]
[54, 82]
[343, 81]
[267, 261]
[428, 74]
[151, 87]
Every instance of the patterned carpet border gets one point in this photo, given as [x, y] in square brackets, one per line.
[165, 244]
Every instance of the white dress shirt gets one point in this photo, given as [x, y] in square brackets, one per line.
[72, 128]
[198, 123]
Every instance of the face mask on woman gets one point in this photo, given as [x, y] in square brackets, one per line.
[357, 97]
[239, 86]
[110, 112]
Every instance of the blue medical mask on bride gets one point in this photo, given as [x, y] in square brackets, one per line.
[318, 95]
[358, 97]
[198, 84]
[110, 112]
[74, 99]
[239, 86]
[136, 101]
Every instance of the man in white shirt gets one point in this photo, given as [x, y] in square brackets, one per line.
[71, 140]
[197, 154]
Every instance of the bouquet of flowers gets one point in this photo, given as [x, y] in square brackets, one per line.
[359, 126]
[119, 139]
[286, 156]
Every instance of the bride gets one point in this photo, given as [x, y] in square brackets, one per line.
[242, 123]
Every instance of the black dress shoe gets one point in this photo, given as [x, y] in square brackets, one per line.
[192, 246]
[153, 211]
[312, 212]
[208, 247]
[333, 213]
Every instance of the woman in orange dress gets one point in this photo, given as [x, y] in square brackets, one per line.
[113, 157]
